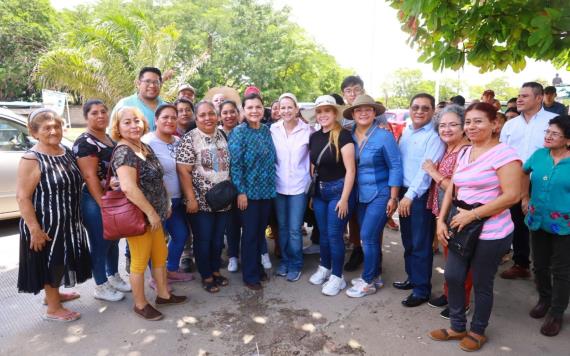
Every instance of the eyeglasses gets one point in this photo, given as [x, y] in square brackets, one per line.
[151, 82]
[423, 108]
[451, 125]
[351, 91]
[552, 134]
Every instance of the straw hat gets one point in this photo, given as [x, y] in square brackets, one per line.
[364, 100]
[229, 93]
[323, 100]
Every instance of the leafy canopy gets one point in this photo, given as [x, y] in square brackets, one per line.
[489, 34]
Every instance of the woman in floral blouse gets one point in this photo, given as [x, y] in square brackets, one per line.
[548, 219]
[253, 173]
[202, 162]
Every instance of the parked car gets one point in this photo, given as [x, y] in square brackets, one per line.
[14, 141]
[398, 119]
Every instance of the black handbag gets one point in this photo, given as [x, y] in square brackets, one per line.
[464, 242]
[311, 188]
[221, 195]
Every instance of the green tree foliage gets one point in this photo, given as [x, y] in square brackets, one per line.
[207, 43]
[27, 28]
[489, 34]
[501, 86]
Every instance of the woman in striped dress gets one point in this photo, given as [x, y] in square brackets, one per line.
[53, 241]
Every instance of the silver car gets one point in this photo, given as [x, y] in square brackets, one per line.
[14, 141]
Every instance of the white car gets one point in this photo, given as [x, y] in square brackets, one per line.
[14, 141]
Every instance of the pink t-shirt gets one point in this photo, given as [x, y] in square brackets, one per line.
[478, 182]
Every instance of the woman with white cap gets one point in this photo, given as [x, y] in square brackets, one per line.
[291, 140]
[332, 165]
[379, 177]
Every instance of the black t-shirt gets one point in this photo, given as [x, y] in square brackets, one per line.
[329, 168]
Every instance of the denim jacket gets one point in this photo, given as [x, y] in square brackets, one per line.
[379, 165]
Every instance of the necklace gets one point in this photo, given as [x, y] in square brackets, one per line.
[104, 138]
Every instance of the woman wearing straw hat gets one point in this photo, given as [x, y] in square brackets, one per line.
[379, 177]
[291, 140]
[332, 165]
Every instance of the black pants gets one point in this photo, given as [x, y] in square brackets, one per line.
[483, 265]
[521, 243]
[551, 256]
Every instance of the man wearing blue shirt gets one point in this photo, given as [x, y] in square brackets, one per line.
[146, 99]
[418, 143]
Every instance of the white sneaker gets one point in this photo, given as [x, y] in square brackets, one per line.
[378, 282]
[233, 264]
[361, 289]
[312, 250]
[265, 261]
[320, 276]
[334, 285]
[119, 283]
[106, 292]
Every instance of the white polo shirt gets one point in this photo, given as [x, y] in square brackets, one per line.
[525, 137]
[292, 164]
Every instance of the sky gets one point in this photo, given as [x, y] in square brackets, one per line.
[365, 36]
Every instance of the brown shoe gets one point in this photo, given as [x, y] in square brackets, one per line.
[174, 299]
[445, 335]
[148, 313]
[472, 342]
[515, 272]
[256, 287]
[551, 326]
[539, 310]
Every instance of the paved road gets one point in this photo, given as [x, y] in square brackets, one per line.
[285, 319]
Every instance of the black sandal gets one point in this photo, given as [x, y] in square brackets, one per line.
[210, 286]
[220, 280]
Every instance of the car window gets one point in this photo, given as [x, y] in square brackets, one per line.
[13, 136]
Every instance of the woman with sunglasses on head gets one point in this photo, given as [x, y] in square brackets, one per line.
[164, 144]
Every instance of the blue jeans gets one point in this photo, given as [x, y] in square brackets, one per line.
[254, 221]
[290, 210]
[104, 253]
[372, 218]
[331, 228]
[177, 228]
[208, 229]
[417, 238]
[233, 232]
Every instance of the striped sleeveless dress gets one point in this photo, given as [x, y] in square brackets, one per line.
[65, 259]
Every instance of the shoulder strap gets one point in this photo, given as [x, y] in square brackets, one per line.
[460, 156]
[108, 180]
[223, 134]
[321, 154]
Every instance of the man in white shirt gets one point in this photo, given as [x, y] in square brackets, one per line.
[525, 133]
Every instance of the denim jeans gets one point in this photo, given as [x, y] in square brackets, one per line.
[372, 218]
[254, 221]
[177, 227]
[417, 238]
[233, 232]
[290, 210]
[104, 253]
[208, 229]
[331, 227]
[484, 264]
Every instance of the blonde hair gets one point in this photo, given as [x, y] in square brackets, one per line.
[116, 120]
[38, 117]
[334, 135]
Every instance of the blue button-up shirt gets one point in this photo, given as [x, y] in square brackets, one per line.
[417, 145]
[379, 164]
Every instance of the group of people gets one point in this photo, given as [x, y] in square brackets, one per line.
[337, 161]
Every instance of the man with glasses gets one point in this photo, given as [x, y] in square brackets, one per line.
[525, 133]
[146, 99]
[418, 143]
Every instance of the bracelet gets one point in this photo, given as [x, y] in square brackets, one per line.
[391, 198]
[474, 213]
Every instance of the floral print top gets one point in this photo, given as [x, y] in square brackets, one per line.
[549, 205]
[253, 161]
[150, 176]
[210, 161]
[445, 167]
[88, 145]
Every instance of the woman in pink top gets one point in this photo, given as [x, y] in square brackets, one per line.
[489, 173]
